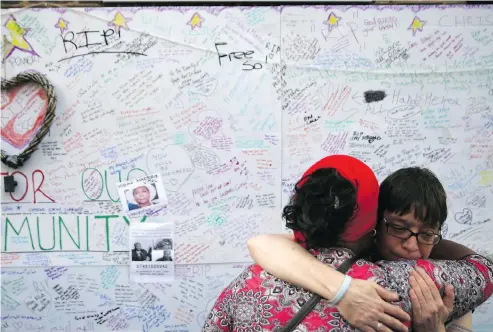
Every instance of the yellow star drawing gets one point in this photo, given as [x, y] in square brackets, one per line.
[417, 24]
[62, 24]
[120, 21]
[17, 38]
[6, 47]
[333, 20]
[196, 21]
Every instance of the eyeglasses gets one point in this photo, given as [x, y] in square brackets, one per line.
[404, 233]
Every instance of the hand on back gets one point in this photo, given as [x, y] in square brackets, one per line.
[366, 307]
[430, 311]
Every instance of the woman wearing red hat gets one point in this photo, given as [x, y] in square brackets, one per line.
[412, 209]
[333, 213]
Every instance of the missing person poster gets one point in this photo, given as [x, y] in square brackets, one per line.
[142, 196]
[152, 258]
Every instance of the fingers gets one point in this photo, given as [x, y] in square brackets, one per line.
[448, 299]
[368, 329]
[422, 290]
[449, 291]
[372, 308]
[415, 305]
[376, 328]
[391, 309]
[414, 299]
[386, 295]
[391, 324]
[396, 312]
[417, 296]
[431, 285]
[383, 328]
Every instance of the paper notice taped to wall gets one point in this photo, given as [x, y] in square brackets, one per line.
[152, 252]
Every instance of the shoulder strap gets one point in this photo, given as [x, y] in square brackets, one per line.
[314, 299]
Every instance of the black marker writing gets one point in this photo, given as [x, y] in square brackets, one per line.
[106, 34]
[108, 52]
[68, 38]
[87, 44]
[252, 67]
[237, 55]
[65, 40]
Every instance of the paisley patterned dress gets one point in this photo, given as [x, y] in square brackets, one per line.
[258, 301]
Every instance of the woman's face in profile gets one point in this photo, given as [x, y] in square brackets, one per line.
[141, 195]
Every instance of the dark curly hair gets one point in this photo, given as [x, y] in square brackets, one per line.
[321, 206]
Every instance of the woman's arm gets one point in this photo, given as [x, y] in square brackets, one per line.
[279, 255]
[363, 305]
[470, 277]
[449, 250]
[463, 324]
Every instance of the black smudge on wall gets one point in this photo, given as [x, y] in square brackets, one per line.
[374, 96]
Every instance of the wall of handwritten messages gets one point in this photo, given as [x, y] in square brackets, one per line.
[230, 106]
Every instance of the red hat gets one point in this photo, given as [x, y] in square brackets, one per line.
[362, 177]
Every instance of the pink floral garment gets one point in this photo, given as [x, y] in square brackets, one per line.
[258, 301]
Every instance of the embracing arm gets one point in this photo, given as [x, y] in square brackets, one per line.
[450, 250]
[363, 304]
[279, 255]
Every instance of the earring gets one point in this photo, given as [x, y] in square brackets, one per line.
[373, 232]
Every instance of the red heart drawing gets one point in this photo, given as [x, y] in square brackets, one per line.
[24, 108]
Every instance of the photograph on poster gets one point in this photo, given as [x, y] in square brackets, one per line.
[165, 255]
[152, 253]
[163, 251]
[142, 194]
[140, 254]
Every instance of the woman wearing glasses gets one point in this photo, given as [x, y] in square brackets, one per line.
[411, 212]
